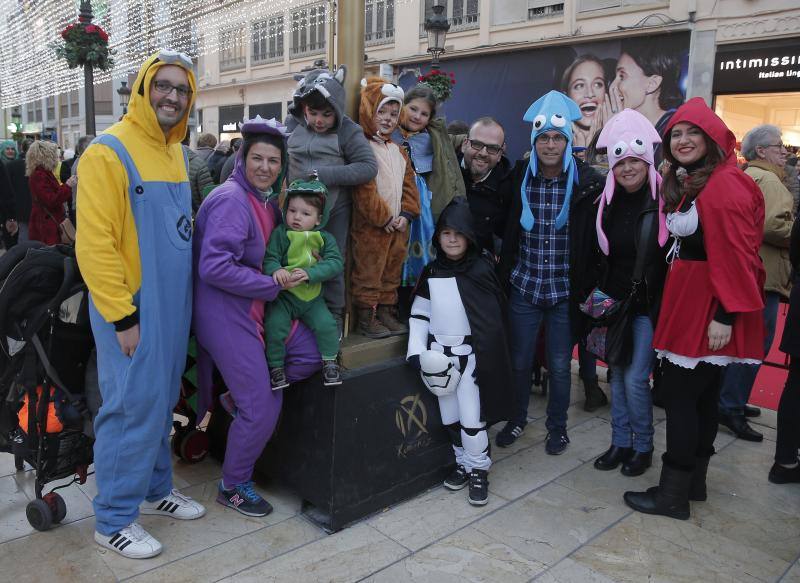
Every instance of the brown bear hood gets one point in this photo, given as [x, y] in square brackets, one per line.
[376, 91]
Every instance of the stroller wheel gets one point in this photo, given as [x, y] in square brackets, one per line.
[19, 462]
[57, 506]
[194, 446]
[39, 514]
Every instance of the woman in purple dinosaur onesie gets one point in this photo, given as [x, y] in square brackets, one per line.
[232, 228]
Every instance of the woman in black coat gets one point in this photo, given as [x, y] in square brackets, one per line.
[786, 468]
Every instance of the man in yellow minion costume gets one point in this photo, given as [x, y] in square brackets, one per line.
[134, 248]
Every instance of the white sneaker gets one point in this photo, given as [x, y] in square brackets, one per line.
[175, 505]
[132, 541]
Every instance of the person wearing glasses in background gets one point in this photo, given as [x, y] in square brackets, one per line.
[487, 177]
[134, 248]
[766, 159]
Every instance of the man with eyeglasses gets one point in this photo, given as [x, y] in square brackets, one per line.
[487, 176]
[134, 248]
[766, 158]
[547, 258]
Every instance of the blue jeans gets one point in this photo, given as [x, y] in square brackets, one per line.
[631, 402]
[526, 319]
[738, 379]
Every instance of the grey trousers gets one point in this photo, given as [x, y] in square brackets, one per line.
[339, 226]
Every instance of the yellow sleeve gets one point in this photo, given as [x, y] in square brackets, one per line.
[102, 209]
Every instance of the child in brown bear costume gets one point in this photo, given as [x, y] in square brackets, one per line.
[383, 208]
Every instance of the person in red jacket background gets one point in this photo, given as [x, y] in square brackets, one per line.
[48, 196]
[712, 307]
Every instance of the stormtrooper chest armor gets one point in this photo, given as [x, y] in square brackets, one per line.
[449, 324]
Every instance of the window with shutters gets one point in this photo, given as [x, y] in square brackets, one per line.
[268, 40]
[379, 22]
[308, 31]
[232, 49]
[461, 14]
[543, 9]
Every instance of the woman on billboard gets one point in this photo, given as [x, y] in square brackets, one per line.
[584, 81]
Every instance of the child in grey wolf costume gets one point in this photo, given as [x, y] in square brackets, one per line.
[341, 157]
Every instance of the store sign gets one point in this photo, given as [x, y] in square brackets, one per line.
[229, 127]
[748, 69]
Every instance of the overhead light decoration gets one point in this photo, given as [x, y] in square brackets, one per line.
[29, 69]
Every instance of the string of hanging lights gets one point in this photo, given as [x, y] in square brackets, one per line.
[30, 70]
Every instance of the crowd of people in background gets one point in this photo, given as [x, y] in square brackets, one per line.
[627, 231]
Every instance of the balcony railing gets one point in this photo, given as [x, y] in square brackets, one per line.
[458, 23]
[379, 37]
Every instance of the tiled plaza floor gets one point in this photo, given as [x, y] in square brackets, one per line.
[551, 519]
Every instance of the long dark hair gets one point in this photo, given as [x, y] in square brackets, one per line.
[675, 187]
[653, 60]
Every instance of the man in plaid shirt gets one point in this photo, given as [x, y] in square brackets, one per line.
[548, 253]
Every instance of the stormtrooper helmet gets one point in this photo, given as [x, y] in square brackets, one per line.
[438, 373]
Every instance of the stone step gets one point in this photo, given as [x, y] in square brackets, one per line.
[359, 351]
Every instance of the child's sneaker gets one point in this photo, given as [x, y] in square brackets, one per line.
[174, 505]
[331, 374]
[244, 499]
[478, 487]
[457, 479]
[132, 541]
[277, 378]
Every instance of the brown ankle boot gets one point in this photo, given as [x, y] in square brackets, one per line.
[369, 325]
[388, 317]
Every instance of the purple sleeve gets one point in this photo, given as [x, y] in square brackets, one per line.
[221, 251]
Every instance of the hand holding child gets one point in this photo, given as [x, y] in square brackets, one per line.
[400, 224]
[282, 277]
[299, 275]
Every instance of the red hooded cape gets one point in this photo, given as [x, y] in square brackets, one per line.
[731, 211]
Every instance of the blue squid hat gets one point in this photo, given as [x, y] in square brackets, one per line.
[552, 111]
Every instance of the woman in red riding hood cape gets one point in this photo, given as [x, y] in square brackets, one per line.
[711, 312]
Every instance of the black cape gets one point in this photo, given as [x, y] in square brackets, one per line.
[487, 311]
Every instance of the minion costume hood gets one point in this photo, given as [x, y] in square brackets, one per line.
[629, 134]
[553, 111]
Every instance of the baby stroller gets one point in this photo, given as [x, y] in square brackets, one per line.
[189, 442]
[45, 347]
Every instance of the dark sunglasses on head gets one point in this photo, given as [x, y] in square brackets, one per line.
[492, 149]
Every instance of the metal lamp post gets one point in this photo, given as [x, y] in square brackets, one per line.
[436, 26]
[85, 16]
[124, 93]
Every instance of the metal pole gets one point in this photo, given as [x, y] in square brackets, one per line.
[331, 40]
[350, 49]
[88, 75]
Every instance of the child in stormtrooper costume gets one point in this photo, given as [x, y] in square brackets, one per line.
[457, 338]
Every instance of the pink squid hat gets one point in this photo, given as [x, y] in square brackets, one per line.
[629, 134]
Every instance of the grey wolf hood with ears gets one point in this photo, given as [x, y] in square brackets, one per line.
[329, 83]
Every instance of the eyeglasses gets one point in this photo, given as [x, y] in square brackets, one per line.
[557, 139]
[779, 145]
[492, 149]
[165, 88]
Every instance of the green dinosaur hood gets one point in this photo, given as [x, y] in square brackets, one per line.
[309, 186]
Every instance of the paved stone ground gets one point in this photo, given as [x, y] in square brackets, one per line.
[550, 519]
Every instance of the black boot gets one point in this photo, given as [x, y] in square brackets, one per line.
[697, 488]
[613, 457]
[595, 397]
[638, 464]
[670, 498]
[740, 427]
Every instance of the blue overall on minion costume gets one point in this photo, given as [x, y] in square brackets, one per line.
[553, 111]
[134, 248]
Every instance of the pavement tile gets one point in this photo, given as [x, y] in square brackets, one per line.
[609, 486]
[628, 553]
[66, 554]
[13, 523]
[430, 516]
[348, 555]
[468, 555]
[569, 571]
[550, 523]
[235, 555]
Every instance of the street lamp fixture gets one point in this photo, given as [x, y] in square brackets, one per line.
[124, 93]
[436, 26]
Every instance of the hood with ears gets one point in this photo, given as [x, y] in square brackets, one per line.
[328, 83]
[142, 114]
[553, 111]
[696, 112]
[313, 187]
[376, 92]
[629, 134]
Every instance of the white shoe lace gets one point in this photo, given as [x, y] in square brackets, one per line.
[134, 532]
[178, 498]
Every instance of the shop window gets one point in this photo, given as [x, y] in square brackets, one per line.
[231, 49]
[308, 31]
[268, 40]
[461, 14]
[103, 99]
[379, 22]
[540, 9]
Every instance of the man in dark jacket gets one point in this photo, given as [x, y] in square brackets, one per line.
[487, 177]
[22, 192]
[547, 260]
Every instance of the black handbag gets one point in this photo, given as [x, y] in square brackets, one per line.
[609, 336]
